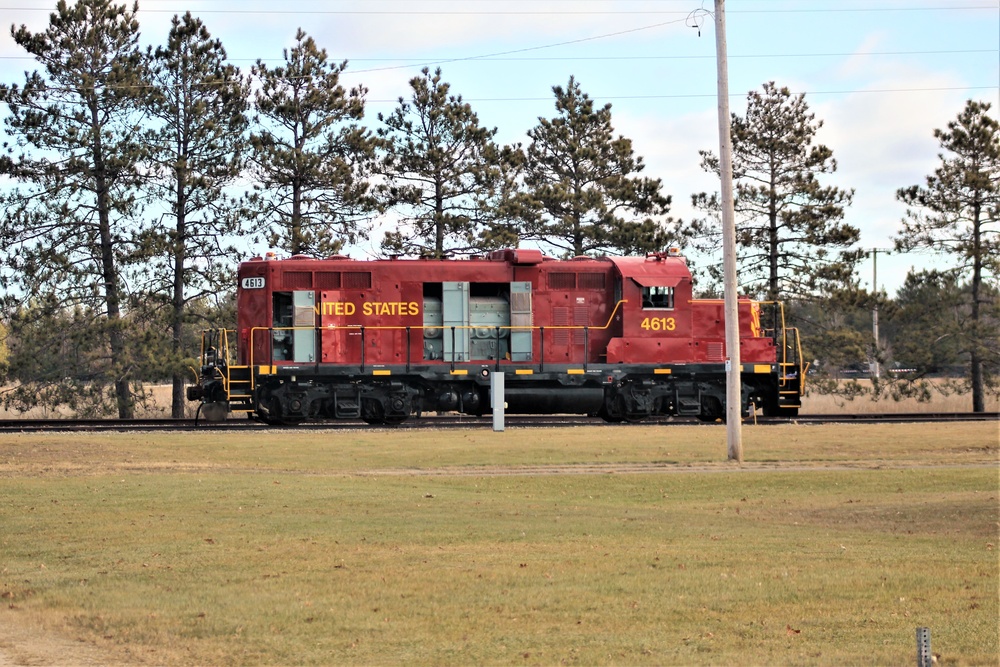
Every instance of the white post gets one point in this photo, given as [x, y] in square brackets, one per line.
[497, 401]
[734, 395]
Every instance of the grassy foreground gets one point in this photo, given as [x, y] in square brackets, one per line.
[829, 546]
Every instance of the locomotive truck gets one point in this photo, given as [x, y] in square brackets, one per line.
[384, 340]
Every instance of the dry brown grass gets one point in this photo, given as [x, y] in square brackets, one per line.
[829, 546]
[942, 398]
[156, 405]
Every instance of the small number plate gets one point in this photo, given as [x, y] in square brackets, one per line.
[252, 283]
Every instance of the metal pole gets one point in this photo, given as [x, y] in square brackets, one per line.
[875, 309]
[734, 397]
[924, 656]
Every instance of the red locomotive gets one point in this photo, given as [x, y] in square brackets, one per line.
[618, 337]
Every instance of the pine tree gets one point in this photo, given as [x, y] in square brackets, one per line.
[201, 103]
[309, 154]
[956, 214]
[69, 231]
[931, 308]
[583, 192]
[791, 238]
[444, 172]
[4, 351]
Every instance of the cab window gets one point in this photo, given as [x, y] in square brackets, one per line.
[658, 297]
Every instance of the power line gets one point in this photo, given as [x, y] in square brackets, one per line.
[613, 98]
[748, 56]
[396, 12]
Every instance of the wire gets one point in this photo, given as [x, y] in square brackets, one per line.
[617, 58]
[524, 50]
[712, 95]
[365, 12]
[612, 98]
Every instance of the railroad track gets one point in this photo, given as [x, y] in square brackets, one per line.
[456, 422]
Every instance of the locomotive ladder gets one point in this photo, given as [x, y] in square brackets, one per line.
[791, 368]
[791, 378]
[236, 380]
[239, 389]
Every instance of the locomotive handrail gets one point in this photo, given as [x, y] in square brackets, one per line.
[400, 327]
[790, 341]
[795, 345]
[363, 327]
[223, 357]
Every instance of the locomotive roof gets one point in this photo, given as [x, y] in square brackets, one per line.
[654, 270]
[657, 269]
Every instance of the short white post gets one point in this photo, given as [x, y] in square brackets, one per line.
[497, 401]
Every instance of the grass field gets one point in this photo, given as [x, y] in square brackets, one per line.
[597, 545]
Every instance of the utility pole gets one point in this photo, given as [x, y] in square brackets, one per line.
[734, 395]
[875, 364]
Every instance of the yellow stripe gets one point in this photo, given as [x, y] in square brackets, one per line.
[381, 372]
[662, 371]
[761, 368]
[266, 370]
[524, 371]
[459, 371]
[575, 371]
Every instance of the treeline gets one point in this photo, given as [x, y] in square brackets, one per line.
[133, 178]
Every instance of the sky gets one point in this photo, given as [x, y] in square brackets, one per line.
[880, 74]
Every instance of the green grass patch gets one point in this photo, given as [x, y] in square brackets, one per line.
[831, 545]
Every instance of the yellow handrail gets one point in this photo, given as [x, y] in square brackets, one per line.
[421, 327]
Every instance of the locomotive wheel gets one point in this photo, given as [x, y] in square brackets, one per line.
[373, 412]
[613, 411]
[711, 410]
[618, 412]
[372, 418]
[621, 405]
[393, 420]
[271, 414]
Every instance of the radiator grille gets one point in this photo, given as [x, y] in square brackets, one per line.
[328, 280]
[357, 280]
[562, 281]
[297, 280]
[591, 281]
